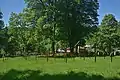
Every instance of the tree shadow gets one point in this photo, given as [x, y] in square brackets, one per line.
[39, 75]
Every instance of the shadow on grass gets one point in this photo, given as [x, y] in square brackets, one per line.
[38, 75]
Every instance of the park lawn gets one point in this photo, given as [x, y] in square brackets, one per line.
[57, 69]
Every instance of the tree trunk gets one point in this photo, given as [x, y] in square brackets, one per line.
[104, 53]
[53, 42]
[76, 50]
[53, 48]
[66, 58]
[111, 55]
[3, 57]
[72, 52]
[110, 52]
[24, 53]
[7, 55]
[36, 55]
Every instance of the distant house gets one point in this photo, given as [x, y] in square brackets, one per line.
[83, 50]
[68, 50]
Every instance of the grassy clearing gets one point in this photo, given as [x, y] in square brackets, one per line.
[78, 69]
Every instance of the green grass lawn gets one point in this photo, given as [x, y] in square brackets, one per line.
[58, 69]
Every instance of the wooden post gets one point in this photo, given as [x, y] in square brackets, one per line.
[95, 57]
[66, 57]
[59, 54]
[47, 57]
[111, 56]
[104, 55]
[3, 57]
[84, 57]
[73, 56]
[55, 56]
[79, 50]
[84, 53]
[36, 54]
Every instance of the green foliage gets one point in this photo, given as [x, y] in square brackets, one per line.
[49, 24]
[3, 35]
[67, 20]
[106, 38]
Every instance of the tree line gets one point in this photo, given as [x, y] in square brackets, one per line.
[106, 38]
[46, 25]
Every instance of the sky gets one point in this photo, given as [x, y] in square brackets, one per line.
[106, 6]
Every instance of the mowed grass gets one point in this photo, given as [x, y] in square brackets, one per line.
[57, 69]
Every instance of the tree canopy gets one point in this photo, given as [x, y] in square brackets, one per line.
[106, 38]
[46, 25]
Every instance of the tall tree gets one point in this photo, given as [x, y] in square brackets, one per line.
[1, 30]
[109, 29]
[79, 18]
[74, 19]
[18, 32]
[108, 37]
